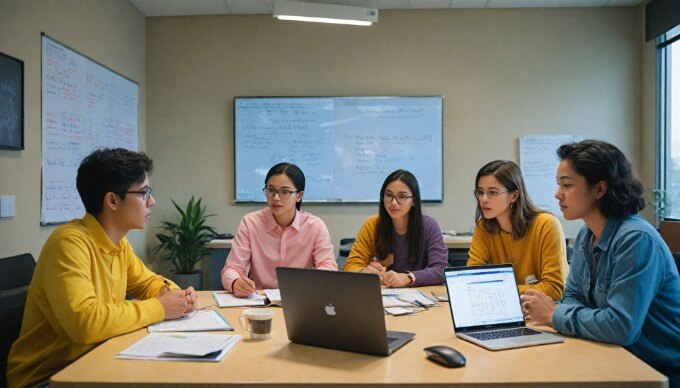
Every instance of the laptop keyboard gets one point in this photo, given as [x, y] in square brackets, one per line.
[391, 339]
[496, 334]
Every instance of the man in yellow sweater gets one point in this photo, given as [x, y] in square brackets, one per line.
[76, 299]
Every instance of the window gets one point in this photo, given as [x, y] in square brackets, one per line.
[669, 174]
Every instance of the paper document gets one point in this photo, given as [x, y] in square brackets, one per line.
[398, 311]
[440, 296]
[181, 347]
[274, 295]
[202, 320]
[223, 299]
[405, 297]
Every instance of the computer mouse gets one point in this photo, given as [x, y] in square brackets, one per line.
[446, 356]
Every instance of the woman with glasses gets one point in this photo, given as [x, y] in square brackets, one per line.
[623, 287]
[400, 244]
[511, 229]
[280, 235]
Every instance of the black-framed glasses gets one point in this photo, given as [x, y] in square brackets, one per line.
[489, 194]
[283, 194]
[146, 194]
[401, 198]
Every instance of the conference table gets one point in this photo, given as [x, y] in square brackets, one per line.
[576, 362]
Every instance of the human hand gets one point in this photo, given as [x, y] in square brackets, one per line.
[243, 287]
[537, 306]
[192, 299]
[376, 268]
[174, 303]
[396, 280]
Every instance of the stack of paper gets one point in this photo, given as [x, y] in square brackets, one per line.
[274, 296]
[202, 320]
[405, 297]
[223, 299]
[181, 347]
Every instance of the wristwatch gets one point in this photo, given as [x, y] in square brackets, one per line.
[412, 277]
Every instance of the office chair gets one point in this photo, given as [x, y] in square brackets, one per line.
[15, 276]
[343, 251]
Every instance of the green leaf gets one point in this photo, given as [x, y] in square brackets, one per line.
[183, 241]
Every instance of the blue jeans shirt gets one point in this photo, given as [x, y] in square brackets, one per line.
[635, 299]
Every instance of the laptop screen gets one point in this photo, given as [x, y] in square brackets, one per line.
[483, 297]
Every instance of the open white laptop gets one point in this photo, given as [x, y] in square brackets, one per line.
[486, 308]
[337, 310]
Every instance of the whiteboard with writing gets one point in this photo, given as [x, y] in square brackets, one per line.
[346, 146]
[85, 106]
[539, 161]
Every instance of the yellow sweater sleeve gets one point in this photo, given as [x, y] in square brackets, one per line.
[142, 283]
[362, 250]
[551, 257]
[72, 296]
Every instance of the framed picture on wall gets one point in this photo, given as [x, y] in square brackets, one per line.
[11, 103]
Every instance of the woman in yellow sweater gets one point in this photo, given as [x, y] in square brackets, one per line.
[511, 229]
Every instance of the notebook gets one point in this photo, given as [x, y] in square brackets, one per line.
[486, 308]
[337, 310]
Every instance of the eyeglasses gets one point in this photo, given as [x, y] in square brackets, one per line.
[489, 194]
[283, 194]
[401, 199]
[146, 194]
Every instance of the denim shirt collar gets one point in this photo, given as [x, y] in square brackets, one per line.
[610, 228]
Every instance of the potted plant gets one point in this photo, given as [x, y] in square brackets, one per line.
[183, 243]
[660, 202]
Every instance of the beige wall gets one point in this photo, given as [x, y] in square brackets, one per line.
[111, 32]
[503, 73]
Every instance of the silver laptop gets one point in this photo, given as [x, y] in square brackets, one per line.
[486, 308]
[337, 310]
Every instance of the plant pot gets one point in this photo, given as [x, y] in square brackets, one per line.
[194, 280]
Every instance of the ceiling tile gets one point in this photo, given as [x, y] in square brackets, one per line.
[250, 6]
[391, 4]
[543, 3]
[622, 3]
[425, 4]
[469, 3]
[180, 7]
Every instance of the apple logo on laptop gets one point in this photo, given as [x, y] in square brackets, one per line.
[330, 309]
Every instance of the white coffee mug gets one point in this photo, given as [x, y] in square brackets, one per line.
[258, 322]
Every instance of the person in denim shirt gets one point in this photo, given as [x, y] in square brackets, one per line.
[623, 286]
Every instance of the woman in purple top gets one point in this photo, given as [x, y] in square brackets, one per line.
[400, 244]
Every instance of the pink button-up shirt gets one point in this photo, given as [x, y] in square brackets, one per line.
[261, 245]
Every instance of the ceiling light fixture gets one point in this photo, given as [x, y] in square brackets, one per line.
[324, 13]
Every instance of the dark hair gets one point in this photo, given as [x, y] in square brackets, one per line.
[293, 172]
[384, 231]
[109, 170]
[523, 212]
[597, 161]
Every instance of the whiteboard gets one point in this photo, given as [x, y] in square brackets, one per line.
[85, 106]
[539, 161]
[346, 146]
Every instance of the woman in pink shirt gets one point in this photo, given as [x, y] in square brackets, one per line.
[280, 235]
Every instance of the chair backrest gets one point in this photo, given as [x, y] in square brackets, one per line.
[15, 276]
[670, 232]
[343, 251]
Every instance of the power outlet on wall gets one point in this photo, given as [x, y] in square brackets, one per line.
[7, 208]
